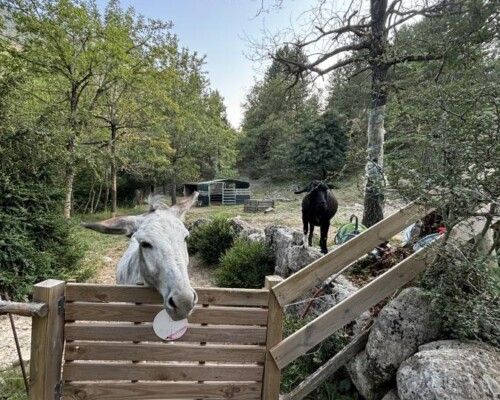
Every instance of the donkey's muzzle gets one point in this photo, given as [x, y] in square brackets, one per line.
[180, 304]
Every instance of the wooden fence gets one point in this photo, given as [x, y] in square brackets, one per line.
[111, 351]
[350, 308]
[233, 348]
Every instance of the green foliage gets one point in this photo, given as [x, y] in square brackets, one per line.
[12, 385]
[339, 387]
[211, 240]
[466, 295]
[36, 243]
[320, 152]
[275, 115]
[245, 265]
[443, 139]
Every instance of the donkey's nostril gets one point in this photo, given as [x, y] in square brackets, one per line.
[195, 300]
[171, 302]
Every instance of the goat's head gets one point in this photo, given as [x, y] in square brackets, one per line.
[317, 192]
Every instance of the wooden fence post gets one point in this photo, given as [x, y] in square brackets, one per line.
[47, 341]
[272, 374]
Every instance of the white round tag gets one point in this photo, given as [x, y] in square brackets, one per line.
[168, 329]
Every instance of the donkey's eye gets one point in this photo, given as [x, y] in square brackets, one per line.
[146, 245]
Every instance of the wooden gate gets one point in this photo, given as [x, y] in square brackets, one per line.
[111, 351]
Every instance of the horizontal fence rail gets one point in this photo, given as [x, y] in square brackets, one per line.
[89, 292]
[315, 273]
[159, 391]
[24, 309]
[144, 333]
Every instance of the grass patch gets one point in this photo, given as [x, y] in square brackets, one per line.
[12, 385]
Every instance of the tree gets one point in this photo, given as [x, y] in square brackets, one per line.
[275, 113]
[320, 152]
[59, 41]
[123, 79]
[363, 35]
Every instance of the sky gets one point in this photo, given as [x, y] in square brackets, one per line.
[219, 29]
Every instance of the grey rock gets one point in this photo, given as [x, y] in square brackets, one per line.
[254, 235]
[403, 324]
[451, 370]
[338, 291]
[360, 372]
[239, 225]
[280, 239]
[299, 256]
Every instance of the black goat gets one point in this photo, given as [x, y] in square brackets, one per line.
[318, 208]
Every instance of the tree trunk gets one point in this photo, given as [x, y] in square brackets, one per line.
[173, 190]
[374, 173]
[106, 194]
[70, 178]
[113, 170]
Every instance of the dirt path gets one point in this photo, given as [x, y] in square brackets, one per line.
[8, 354]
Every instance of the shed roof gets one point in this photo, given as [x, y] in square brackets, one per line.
[243, 184]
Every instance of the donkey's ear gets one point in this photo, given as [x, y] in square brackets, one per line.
[180, 209]
[116, 226]
[332, 186]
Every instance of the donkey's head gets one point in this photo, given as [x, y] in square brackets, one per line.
[157, 253]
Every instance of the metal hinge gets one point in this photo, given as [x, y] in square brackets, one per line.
[58, 391]
[60, 305]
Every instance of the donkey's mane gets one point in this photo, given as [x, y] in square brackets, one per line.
[157, 202]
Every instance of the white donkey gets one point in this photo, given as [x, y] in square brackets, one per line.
[157, 253]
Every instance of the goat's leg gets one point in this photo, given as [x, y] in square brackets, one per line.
[311, 232]
[324, 237]
[306, 224]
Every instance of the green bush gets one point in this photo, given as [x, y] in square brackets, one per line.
[245, 265]
[211, 240]
[338, 387]
[465, 290]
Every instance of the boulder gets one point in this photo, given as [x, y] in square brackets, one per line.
[280, 239]
[340, 289]
[402, 325]
[299, 256]
[239, 225]
[451, 370]
[360, 371]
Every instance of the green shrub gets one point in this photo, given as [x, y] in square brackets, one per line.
[465, 290]
[245, 265]
[211, 240]
[338, 387]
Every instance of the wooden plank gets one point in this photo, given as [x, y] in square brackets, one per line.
[47, 341]
[328, 323]
[24, 309]
[161, 391]
[314, 380]
[90, 292]
[315, 273]
[146, 312]
[164, 352]
[145, 333]
[272, 374]
[77, 371]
